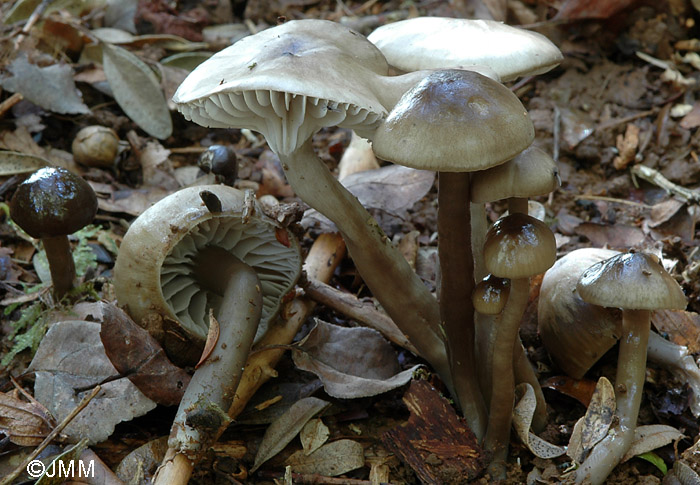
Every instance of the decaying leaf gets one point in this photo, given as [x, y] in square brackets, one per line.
[436, 443]
[13, 163]
[580, 389]
[594, 425]
[329, 460]
[142, 462]
[50, 87]
[138, 356]
[137, 91]
[650, 437]
[66, 459]
[522, 422]
[613, 235]
[682, 327]
[70, 361]
[286, 427]
[351, 362]
[313, 435]
[392, 189]
[25, 423]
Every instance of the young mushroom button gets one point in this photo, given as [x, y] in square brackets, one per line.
[638, 284]
[290, 81]
[517, 246]
[51, 204]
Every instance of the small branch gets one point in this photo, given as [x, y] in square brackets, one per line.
[654, 177]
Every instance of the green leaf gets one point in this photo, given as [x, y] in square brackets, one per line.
[655, 460]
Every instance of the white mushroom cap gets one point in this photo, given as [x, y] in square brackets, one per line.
[533, 172]
[449, 43]
[454, 121]
[287, 82]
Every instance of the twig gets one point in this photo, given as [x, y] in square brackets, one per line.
[654, 177]
[9, 103]
[612, 199]
[363, 312]
[626, 119]
[33, 19]
[51, 436]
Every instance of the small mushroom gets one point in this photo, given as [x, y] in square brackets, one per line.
[95, 146]
[517, 246]
[49, 205]
[638, 284]
[456, 122]
[221, 161]
[490, 295]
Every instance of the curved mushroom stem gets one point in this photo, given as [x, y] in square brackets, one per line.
[203, 409]
[61, 264]
[455, 294]
[680, 362]
[503, 377]
[629, 381]
[385, 271]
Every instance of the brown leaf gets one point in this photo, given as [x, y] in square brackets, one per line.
[594, 425]
[579, 389]
[434, 442]
[591, 9]
[138, 356]
[627, 147]
[329, 460]
[351, 362]
[683, 328]
[25, 423]
[615, 236]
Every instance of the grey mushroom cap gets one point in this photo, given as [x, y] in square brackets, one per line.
[631, 281]
[287, 82]
[450, 43]
[454, 121]
[532, 172]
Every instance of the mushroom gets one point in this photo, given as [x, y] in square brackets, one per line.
[95, 146]
[155, 274]
[221, 161]
[290, 81]
[517, 246]
[576, 334]
[451, 43]
[203, 254]
[49, 205]
[638, 284]
[456, 122]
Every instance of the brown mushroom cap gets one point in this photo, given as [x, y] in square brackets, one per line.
[490, 295]
[454, 121]
[450, 43]
[53, 202]
[532, 172]
[519, 246]
[631, 281]
[287, 82]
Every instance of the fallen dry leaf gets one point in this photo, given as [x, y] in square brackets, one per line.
[313, 435]
[682, 328]
[594, 425]
[286, 427]
[71, 358]
[650, 437]
[627, 147]
[612, 235]
[329, 460]
[522, 422]
[351, 362]
[25, 423]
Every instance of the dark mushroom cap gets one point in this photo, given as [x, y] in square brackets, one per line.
[491, 294]
[53, 202]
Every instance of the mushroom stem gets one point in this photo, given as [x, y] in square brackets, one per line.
[517, 204]
[213, 385]
[61, 264]
[455, 294]
[385, 271]
[629, 382]
[503, 378]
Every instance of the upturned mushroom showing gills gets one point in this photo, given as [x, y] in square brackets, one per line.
[517, 246]
[203, 255]
[456, 122]
[290, 81]
[156, 275]
[51, 204]
[638, 284]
